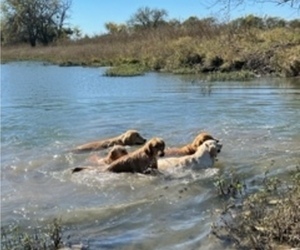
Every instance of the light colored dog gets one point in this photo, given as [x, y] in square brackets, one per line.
[141, 160]
[129, 138]
[191, 148]
[204, 157]
[102, 163]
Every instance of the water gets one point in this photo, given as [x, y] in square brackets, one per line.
[47, 110]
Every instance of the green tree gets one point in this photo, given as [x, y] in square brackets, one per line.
[148, 18]
[114, 28]
[34, 20]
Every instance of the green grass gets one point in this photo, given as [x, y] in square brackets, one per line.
[230, 76]
[125, 70]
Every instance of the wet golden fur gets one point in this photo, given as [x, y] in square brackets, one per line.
[204, 157]
[102, 163]
[130, 137]
[115, 153]
[190, 148]
[140, 160]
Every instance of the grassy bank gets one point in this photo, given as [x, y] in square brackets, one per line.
[206, 48]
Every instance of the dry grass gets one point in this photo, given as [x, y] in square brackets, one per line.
[173, 49]
[267, 219]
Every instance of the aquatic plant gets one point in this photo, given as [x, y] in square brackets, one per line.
[229, 185]
[48, 237]
[125, 70]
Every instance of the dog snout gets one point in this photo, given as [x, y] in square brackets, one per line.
[161, 154]
[219, 147]
[142, 141]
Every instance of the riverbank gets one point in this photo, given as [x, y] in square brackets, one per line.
[265, 219]
[215, 49]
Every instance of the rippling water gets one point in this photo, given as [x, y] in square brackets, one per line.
[47, 110]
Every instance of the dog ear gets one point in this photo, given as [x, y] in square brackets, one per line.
[113, 154]
[149, 149]
[212, 151]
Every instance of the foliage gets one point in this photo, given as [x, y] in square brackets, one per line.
[114, 28]
[238, 50]
[46, 238]
[34, 20]
[266, 219]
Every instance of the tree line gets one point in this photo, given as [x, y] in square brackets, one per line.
[44, 21]
[34, 21]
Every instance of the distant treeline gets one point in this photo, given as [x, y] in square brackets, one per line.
[261, 45]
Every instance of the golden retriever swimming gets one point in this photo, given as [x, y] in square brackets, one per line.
[204, 157]
[190, 148]
[115, 153]
[130, 138]
[102, 163]
[140, 160]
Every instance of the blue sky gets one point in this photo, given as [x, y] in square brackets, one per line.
[91, 15]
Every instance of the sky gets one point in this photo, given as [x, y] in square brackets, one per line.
[90, 16]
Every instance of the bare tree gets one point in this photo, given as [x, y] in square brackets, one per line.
[34, 20]
[148, 18]
[233, 3]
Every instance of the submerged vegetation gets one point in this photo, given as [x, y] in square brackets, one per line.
[48, 237]
[126, 70]
[238, 49]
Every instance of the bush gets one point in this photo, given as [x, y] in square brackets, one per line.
[266, 219]
[49, 237]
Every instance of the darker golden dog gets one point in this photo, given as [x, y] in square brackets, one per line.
[102, 163]
[140, 160]
[130, 138]
[190, 148]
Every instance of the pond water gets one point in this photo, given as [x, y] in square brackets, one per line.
[47, 110]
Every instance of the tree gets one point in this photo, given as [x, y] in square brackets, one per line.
[114, 28]
[34, 20]
[148, 18]
[233, 3]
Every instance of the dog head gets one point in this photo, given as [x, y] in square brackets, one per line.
[202, 137]
[213, 147]
[132, 137]
[155, 147]
[116, 152]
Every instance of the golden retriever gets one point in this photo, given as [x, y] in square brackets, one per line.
[115, 153]
[102, 163]
[190, 148]
[204, 157]
[130, 138]
[141, 160]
